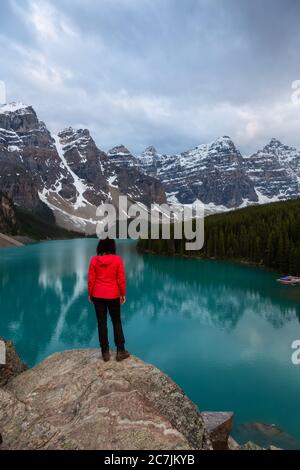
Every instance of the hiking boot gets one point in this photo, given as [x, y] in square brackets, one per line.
[121, 355]
[106, 356]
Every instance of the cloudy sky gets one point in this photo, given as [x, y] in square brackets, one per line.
[169, 73]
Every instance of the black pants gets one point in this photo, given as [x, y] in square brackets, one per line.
[113, 306]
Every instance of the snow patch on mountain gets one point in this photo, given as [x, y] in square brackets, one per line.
[71, 219]
[111, 180]
[80, 186]
[263, 199]
[13, 107]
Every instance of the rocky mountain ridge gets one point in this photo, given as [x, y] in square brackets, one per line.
[69, 176]
[64, 174]
[220, 177]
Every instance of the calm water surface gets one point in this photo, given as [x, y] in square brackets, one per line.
[222, 331]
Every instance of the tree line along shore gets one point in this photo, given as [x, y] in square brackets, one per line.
[266, 235]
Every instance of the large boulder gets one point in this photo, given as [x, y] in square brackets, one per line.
[73, 400]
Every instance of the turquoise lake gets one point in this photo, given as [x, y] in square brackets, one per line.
[222, 331]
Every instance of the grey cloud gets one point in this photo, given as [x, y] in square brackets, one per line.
[171, 73]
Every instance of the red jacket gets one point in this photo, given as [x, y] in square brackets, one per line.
[106, 279]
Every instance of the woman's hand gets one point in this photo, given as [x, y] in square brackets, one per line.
[122, 299]
[90, 300]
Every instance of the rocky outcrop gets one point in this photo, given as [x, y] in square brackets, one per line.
[73, 400]
[13, 366]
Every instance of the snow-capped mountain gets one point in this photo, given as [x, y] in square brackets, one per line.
[212, 173]
[66, 174]
[69, 176]
[219, 176]
[275, 172]
[287, 156]
[28, 156]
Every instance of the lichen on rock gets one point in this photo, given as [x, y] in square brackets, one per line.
[74, 400]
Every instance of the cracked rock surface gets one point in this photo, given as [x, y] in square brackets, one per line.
[74, 400]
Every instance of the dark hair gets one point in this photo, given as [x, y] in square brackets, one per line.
[107, 245]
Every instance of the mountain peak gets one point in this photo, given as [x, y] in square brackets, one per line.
[151, 149]
[14, 107]
[225, 139]
[273, 145]
[275, 142]
[68, 131]
[225, 143]
[118, 150]
[150, 152]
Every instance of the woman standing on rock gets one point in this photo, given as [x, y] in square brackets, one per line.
[107, 290]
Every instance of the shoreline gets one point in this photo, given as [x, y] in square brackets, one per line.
[205, 258]
[22, 241]
[12, 241]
